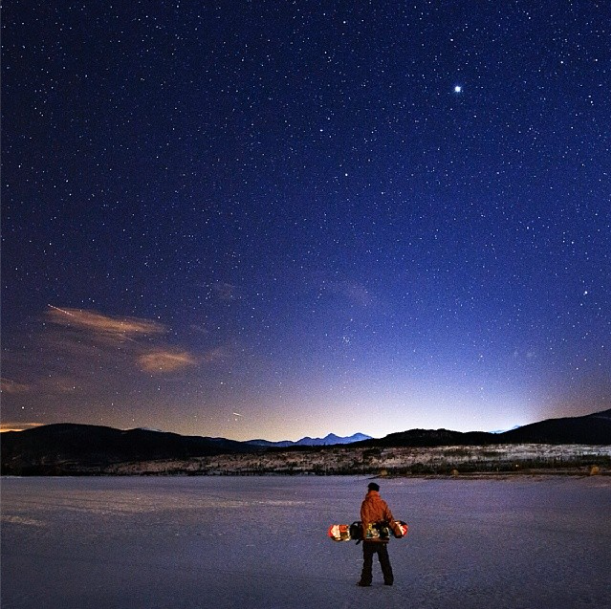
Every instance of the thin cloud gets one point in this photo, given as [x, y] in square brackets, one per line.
[104, 325]
[165, 361]
[217, 354]
[110, 341]
[356, 293]
[50, 385]
[80, 355]
[225, 291]
[13, 387]
[59, 385]
[200, 329]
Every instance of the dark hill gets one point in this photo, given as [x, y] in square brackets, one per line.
[426, 438]
[63, 447]
[590, 429]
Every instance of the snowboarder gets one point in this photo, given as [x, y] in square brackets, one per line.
[376, 518]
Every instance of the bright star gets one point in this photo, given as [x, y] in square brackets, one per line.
[457, 89]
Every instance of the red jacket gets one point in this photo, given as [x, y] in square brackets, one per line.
[374, 509]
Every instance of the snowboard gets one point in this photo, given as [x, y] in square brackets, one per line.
[354, 531]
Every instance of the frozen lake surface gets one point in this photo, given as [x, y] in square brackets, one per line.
[173, 543]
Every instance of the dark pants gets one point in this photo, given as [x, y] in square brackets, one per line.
[369, 549]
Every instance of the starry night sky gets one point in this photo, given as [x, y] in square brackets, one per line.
[277, 219]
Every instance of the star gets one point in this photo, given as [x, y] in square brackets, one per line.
[304, 233]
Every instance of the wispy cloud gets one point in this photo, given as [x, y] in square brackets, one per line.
[113, 342]
[221, 290]
[50, 384]
[13, 387]
[78, 357]
[165, 361]
[217, 354]
[225, 291]
[120, 328]
[355, 293]
[59, 385]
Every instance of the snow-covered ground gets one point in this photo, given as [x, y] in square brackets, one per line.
[260, 542]
[370, 461]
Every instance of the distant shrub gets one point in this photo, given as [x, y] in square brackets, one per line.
[458, 452]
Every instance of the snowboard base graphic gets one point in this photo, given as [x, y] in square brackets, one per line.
[354, 531]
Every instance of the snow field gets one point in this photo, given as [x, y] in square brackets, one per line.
[260, 542]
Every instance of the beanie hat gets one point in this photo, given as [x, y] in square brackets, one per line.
[372, 486]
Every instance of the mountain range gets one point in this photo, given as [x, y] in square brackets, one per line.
[55, 449]
[329, 440]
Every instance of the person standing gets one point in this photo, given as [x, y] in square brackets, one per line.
[375, 513]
